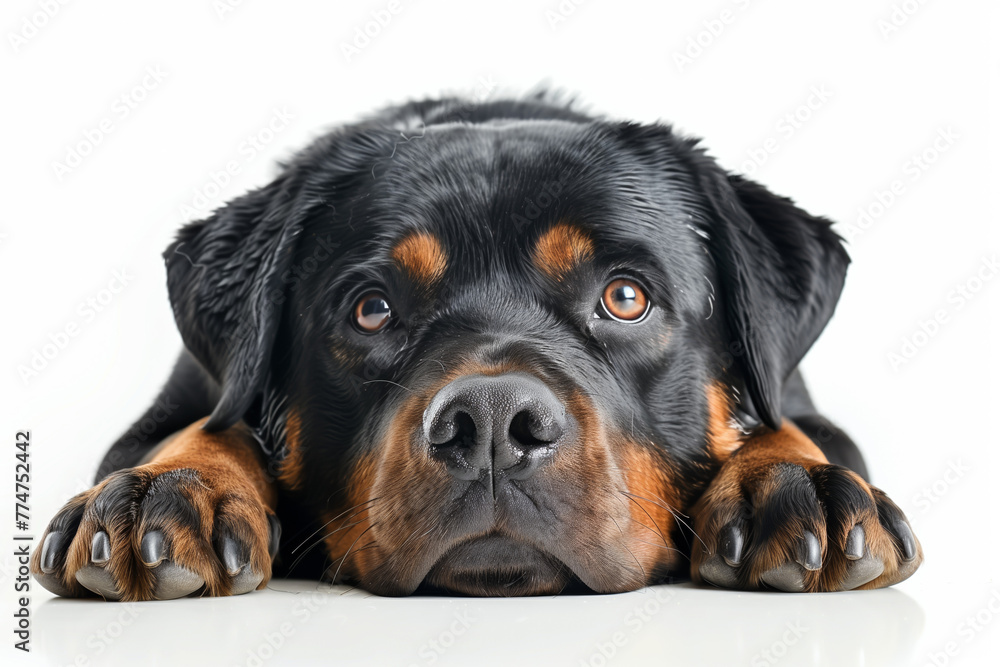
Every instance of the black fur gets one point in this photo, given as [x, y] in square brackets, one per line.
[741, 279]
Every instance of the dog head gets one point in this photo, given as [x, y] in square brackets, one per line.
[502, 347]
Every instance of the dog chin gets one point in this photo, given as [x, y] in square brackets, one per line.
[498, 566]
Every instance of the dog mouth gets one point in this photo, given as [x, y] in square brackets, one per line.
[493, 485]
[496, 565]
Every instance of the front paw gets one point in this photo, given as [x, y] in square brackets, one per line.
[150, 533]
[799, 528]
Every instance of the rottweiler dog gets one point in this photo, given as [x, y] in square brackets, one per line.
[490, 348]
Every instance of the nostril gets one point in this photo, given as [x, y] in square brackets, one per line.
[465, 431]
[458, 431]
[480, 425]
[529, 429]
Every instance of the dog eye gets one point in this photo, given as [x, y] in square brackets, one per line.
[372, 312]
[624, 301]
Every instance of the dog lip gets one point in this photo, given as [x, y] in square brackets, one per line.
[496, 564]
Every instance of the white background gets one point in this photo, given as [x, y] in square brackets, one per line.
[889, 91]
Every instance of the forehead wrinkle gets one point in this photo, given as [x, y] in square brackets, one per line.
[421, 255]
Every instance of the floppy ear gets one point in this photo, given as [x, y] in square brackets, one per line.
[224, 276]
[782, 271]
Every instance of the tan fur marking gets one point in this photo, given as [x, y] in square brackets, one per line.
[292, 465]
[422, 257]
[652, 494]
[561, 249]
[723, 439]
[347, 527]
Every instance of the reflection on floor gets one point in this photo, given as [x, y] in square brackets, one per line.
[298, 622]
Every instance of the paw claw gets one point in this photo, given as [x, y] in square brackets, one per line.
[810, 552]
[232, 556]
[274, 535]
[151, 548]
[731, 546]
[787, 577]
[906, 539]
[50, 551]
[100, 548]
[854, 549]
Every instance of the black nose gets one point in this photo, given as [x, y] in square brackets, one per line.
[508, 424]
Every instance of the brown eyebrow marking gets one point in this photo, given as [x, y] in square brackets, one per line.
[561, 249]
[422, 256]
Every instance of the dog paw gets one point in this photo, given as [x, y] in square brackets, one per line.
[788, 527]
[149, 533]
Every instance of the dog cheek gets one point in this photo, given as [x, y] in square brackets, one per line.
[654, 501]
[347, 526]
[398, 492]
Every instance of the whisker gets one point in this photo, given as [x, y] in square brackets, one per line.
[633, 520]
[389, 382]
[348, 553]
[425, 533]
[371, 500]
[677, 516]
[616, 524]
[637, 504]
[562, 566]
[641, 568]
[369, 545]
[438, 362]
[323, 539]
[660, 546]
